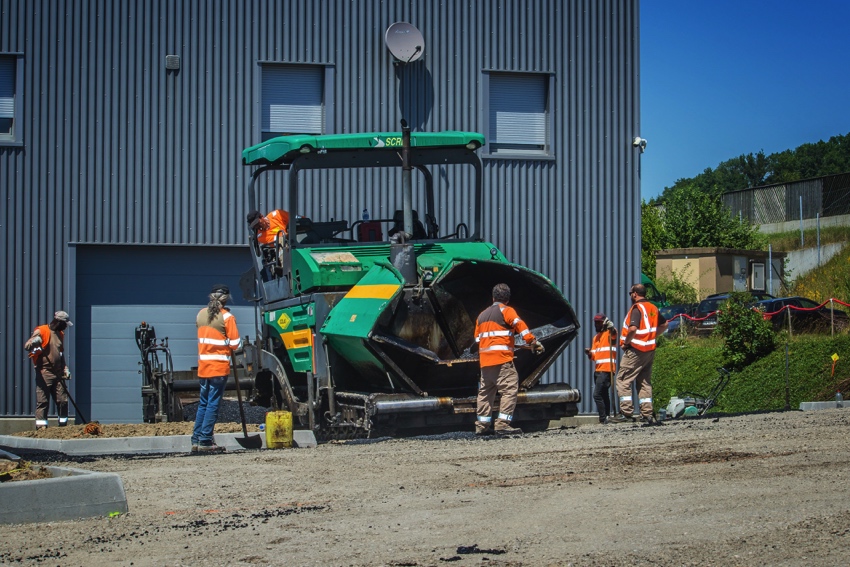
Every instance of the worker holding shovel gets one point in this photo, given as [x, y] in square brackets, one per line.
[45, 347]
[218, 337]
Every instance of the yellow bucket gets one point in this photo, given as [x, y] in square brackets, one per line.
[278, 429]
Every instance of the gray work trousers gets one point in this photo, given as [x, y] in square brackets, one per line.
[635, 366]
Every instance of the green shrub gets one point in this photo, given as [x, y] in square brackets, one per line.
[748, 337]
[676, 287]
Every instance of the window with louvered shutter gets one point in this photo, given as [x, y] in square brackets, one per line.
[518, 121]
[292, 100]
[7, 97]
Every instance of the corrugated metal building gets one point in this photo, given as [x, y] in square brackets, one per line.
[122, 124]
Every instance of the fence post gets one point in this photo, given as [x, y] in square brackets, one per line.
[832, 317]
[817, 216]
[801, 222]
[788, 309]
[770, 267]
[787, 391]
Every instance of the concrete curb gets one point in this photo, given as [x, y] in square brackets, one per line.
[70, 494]
[140, 445]
[808, 406]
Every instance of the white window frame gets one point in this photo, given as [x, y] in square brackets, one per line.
[508, 101]
[14, 110]
[305, 118]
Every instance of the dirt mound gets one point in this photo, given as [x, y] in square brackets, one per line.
[11, 471]
[130, 430]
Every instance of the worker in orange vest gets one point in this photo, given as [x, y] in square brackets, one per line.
[637, 340]
[218, 337]
[603, 353]
[268, 227]
[46, 350]
[494, 332]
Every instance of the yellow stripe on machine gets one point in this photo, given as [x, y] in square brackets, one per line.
[297, 339]
[374, 291]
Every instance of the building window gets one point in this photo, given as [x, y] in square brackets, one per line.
[519, 121]
[9, 95]
[293, 100]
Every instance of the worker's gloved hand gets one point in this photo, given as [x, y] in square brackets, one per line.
[67, 374]
[608, 324]
[538, 347]
[32, 343]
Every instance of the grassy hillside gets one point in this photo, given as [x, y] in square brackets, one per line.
[787, 241]
[690, 365]
[831, 280]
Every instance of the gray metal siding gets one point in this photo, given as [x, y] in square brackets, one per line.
[119, 150]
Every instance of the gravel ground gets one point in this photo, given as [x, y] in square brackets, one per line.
[757, 489]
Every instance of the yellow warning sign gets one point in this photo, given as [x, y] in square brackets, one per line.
[835, 357]
[284, 320]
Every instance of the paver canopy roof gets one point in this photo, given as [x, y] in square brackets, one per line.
[284, 149]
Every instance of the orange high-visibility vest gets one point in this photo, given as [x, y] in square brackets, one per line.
[216, 340]
[494, 333]
[603, 351]
[278, 222]
[44, 333]
[644, 338]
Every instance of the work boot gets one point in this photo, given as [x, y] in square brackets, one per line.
[622, 418]
[482, 428]
[211, 449]
[604, 420]
[508, 430]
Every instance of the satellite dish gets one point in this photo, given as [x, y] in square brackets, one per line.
[405, 42]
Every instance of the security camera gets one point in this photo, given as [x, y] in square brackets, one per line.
[639, 142]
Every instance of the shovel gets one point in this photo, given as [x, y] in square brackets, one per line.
[249, 442]
[73, 403]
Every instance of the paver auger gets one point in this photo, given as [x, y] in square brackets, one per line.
[357, 334]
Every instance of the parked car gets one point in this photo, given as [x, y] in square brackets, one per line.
[812, 317]
[676, 324]
[706, 310]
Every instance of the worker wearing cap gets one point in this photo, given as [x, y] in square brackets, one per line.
[218, 337]
[268, 227]
[603, 353]
[46, 351]
[494, 332]
[637, 340]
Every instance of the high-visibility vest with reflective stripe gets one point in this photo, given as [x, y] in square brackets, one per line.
[644, 338]
[278, 222]
[217, 339]
[603, 351]
[494, 333]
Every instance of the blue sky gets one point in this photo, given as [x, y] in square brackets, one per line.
[725, 78]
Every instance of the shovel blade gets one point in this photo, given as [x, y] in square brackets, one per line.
[250, 442]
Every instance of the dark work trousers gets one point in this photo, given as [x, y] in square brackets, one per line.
[602, 394]
[47, 385]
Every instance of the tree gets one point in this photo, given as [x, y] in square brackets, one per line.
[754, 168]
[751, 170]
[693, 218]
[652, 236]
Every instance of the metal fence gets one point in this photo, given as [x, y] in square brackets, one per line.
[783, 202]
